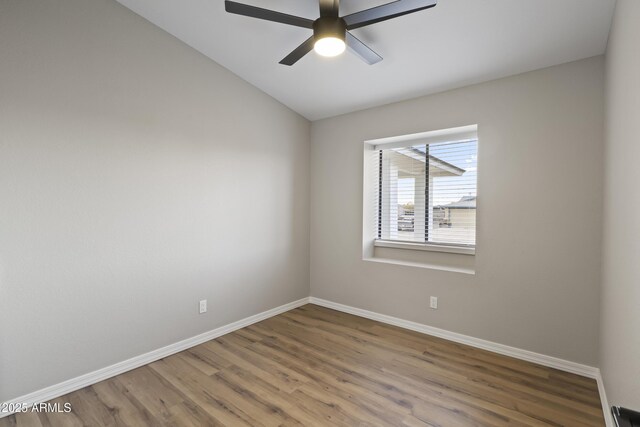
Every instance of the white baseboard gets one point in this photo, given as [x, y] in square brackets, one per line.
[529, 356]
[606, 409]
[91, 378]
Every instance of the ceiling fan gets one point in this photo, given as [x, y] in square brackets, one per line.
[331, 33]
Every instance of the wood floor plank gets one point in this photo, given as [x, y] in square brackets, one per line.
[125, 410]
[197, 362]
[337, 382]
[189, 414]
[152, 391]
[397, 388]
[313, 366]
[28, 420]
[201, 390]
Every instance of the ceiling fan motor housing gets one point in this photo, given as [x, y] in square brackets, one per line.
[329, 27]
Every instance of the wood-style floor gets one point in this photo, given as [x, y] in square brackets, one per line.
[313, 366]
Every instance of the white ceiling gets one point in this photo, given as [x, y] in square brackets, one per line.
[459, 42]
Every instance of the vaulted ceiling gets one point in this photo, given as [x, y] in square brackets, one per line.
[459, 42]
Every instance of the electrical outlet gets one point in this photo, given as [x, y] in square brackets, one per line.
[433, 302]
[203, 306]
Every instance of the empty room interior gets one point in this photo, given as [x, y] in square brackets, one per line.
[320, 213]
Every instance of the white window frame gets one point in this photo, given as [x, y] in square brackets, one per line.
[444, 135]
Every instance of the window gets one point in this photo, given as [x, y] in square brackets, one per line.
[426, 188]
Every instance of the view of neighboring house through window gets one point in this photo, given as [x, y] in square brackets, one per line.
[426, 193]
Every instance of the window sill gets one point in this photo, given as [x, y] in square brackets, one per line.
[425, 247]
[428, 266]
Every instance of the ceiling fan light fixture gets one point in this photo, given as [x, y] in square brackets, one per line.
[332, 33]
[329, 35]
[329, 46]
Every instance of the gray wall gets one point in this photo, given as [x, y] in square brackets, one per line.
[537, 268]
[136, 177]
[620, 340]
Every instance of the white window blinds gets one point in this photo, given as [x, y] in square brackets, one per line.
[426, 188]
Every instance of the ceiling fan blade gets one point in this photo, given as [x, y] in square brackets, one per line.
[362, 50]
[386, 11]
[329, 8]
[298, 52]
[266, 14]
